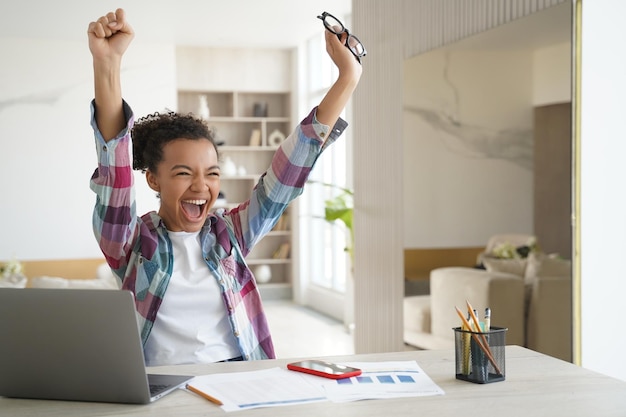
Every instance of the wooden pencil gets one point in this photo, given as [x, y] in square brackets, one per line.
[203, 395]
[477, 324]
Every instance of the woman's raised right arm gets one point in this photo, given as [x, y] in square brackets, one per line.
[109, 38]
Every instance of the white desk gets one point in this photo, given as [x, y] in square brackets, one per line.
[536, 385]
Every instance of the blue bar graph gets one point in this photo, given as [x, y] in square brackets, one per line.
[385, 379]
[380, 379]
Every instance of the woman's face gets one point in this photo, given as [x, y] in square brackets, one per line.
[188, 179]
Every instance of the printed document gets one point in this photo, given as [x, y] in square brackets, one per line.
[280, 387]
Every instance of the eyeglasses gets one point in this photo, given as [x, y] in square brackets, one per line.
[353, 43]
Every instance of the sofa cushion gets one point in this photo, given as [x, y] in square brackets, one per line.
[104, 280]
[542, 265]
[549, 323]
[454, 286]
[509, 266]
[427, 341]
[416, 311]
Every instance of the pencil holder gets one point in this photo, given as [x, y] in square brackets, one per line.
[479, 356]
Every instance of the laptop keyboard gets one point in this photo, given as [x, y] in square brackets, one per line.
[157, 388]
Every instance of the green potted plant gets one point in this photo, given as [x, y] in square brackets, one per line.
[340, 208]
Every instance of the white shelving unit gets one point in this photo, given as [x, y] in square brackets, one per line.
[235, 118]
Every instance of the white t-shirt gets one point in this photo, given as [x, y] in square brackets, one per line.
[192, 324]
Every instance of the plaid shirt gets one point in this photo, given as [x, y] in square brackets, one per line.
[139, 250]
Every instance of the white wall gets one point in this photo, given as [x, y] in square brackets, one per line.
[602, 182]
[236, 69]
[47, 148]
[466, 177]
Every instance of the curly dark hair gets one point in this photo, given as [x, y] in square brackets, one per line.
[150, 133]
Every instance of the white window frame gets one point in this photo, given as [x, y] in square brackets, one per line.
[325, 268]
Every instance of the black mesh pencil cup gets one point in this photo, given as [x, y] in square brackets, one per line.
[479, 356]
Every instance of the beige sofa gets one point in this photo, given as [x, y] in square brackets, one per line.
[535, 306]
[104, 279]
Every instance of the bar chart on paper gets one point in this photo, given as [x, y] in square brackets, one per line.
[382, 380]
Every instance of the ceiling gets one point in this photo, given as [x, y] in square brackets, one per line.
[239, 23]
[227, 23]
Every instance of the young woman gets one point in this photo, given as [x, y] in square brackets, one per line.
[197, 300]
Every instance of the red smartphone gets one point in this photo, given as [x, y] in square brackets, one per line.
[324, 369]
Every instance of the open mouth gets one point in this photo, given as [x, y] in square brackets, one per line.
[194, 208]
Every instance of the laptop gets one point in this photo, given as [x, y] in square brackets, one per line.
[75, 344]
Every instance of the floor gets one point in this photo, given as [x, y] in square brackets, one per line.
[301, 332]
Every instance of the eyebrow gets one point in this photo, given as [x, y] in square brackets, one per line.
[179, 167]
[182, 166]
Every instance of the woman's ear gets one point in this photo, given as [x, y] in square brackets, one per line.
[152, 181]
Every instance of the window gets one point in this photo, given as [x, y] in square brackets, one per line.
[324, 261]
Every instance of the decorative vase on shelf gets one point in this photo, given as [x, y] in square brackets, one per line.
[229, 168]
[263, 273]
[260, 109]
[203, 109]
[275, 138]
